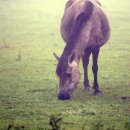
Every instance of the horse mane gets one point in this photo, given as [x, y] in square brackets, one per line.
[77, 27]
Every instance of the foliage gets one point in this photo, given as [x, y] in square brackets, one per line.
[55, 122]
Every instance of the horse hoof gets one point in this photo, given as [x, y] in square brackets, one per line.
[97, 93]
[87, 89]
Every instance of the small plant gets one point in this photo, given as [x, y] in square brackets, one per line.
[113, 128]
[14, 127]
[18, 57]
[127, 124]
[55, 122]
[98, 126]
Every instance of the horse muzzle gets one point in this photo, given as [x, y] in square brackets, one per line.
[63, 95]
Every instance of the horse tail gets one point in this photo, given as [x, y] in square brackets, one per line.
[80, 20]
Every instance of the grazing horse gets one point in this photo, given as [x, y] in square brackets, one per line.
[84, 28]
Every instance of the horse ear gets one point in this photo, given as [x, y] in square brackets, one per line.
[73, 64]
[71, 58]
[56, 56]
[72, 61]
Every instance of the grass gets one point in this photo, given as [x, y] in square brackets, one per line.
[29, 34]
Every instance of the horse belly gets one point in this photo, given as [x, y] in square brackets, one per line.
[105, 29]
[99, 30]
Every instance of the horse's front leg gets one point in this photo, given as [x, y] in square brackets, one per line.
[85, 61]
[95, 54]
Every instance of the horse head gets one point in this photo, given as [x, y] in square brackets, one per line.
[69, 76]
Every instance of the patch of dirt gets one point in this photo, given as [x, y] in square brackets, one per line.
[41, 90]
[125, 98]
[51, 34]
[5, 46]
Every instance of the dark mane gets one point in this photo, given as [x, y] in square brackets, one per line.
[77, 27]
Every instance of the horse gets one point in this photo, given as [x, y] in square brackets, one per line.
[84, 28]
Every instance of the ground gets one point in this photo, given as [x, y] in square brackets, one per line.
[29, 34]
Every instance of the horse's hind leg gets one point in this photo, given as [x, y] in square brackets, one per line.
[85, 61]
[95, 54]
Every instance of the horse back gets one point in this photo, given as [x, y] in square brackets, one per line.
[97, 27]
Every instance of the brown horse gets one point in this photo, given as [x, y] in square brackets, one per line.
[84, 28]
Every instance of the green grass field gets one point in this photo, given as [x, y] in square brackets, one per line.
[29, 34]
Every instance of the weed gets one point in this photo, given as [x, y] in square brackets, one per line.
[55, 122]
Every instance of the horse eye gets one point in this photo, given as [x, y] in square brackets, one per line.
[68, 75]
